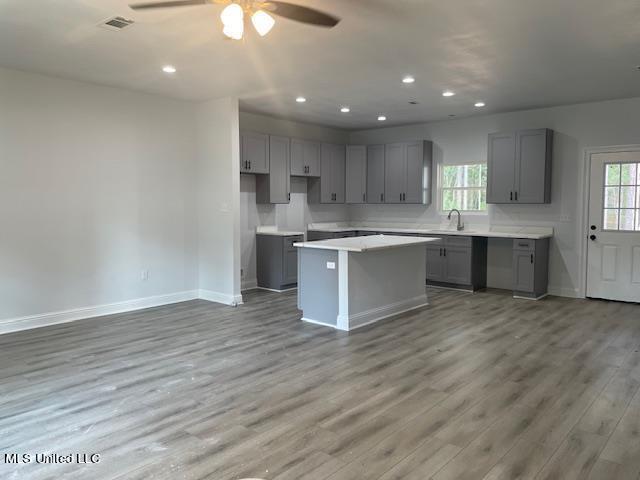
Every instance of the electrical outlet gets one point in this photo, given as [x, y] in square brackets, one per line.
[144, 275]
[331, 265]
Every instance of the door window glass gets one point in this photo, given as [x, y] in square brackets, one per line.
[621, 209]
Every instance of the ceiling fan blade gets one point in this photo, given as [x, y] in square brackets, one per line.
[175, 3]
[301, 14]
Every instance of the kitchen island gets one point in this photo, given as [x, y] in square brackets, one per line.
[346, 283]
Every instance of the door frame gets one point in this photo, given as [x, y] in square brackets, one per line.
[586, 187]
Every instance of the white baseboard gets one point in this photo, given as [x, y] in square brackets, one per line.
[367, 317]
[564, 292]
[232, 300]
[64, 316]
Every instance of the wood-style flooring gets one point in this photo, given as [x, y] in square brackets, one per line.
[475, 386]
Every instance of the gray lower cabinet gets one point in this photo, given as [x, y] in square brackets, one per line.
[407, 177]
[519, 166]
[530, 267]
[330, 186]
[275, 187]
[356, 174]
[375, 174]
[458, 261]
[277, 261]
[254, 153]
[305, 158]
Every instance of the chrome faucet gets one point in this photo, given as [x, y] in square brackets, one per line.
[460, 224]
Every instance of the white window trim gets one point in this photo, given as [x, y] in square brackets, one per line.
[441, 165]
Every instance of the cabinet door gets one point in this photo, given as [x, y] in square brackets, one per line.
[279, 175]
[523, 271]
[326, 173]
[501, 168]
[375, 174]
[298, 167]
[435, 263]
[312, 158]
[338, 173]
[356, 174]
[531, 166]
[290, 261]
[395, 175]
[414, 191]
[458, 265]
[255, 153]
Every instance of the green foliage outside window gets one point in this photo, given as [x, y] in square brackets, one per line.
[464, 187]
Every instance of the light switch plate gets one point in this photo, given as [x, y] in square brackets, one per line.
[331, 265]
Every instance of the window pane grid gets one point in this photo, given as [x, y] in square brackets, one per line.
[464, 187]
[621, 197]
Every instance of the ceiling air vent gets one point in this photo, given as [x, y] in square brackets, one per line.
[116, 23]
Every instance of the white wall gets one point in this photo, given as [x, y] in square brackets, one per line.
[297, 214]
[218, 188]
[576, 127]
[95, 186]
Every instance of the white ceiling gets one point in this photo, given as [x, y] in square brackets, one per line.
[512, 54]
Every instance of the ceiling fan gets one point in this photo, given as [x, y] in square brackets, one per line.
[233, 15]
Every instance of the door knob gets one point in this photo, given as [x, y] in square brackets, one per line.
[592, 237]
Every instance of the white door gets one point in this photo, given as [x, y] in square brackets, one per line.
[613, 270]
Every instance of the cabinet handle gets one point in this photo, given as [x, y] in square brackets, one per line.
[363, 197]
[445, 251]
[511, 196]
[249, 164]
[382, 197]
[440, 251]
[516, 196]
[532, 258]
[246, 165]
[288, 196]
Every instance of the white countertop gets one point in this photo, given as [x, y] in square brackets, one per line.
[275, 231]
[533, 233]
[365, 244]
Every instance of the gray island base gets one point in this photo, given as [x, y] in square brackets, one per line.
[346, 283]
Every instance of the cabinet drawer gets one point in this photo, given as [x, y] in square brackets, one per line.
[458, 241]
[524, 244]
[289, 241]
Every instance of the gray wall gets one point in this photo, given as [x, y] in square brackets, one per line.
[576, 127]
[96, 185]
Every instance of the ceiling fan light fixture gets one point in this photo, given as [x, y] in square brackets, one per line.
[262, 22]
[233, 20]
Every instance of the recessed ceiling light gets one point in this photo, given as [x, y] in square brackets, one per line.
[408, 79]
[381, 118]
[345, 109]
[169, 69]
[448, 93]
[301, 99]
[413, 102]
[479, 104]
[451, 115]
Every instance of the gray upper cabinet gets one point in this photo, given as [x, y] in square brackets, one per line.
[330, 186]
[519, 166]
[305, 158]
[407, 177]
[395, 172]
[356, 174]
[276, 187]
[254, 153]
[375, 174]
